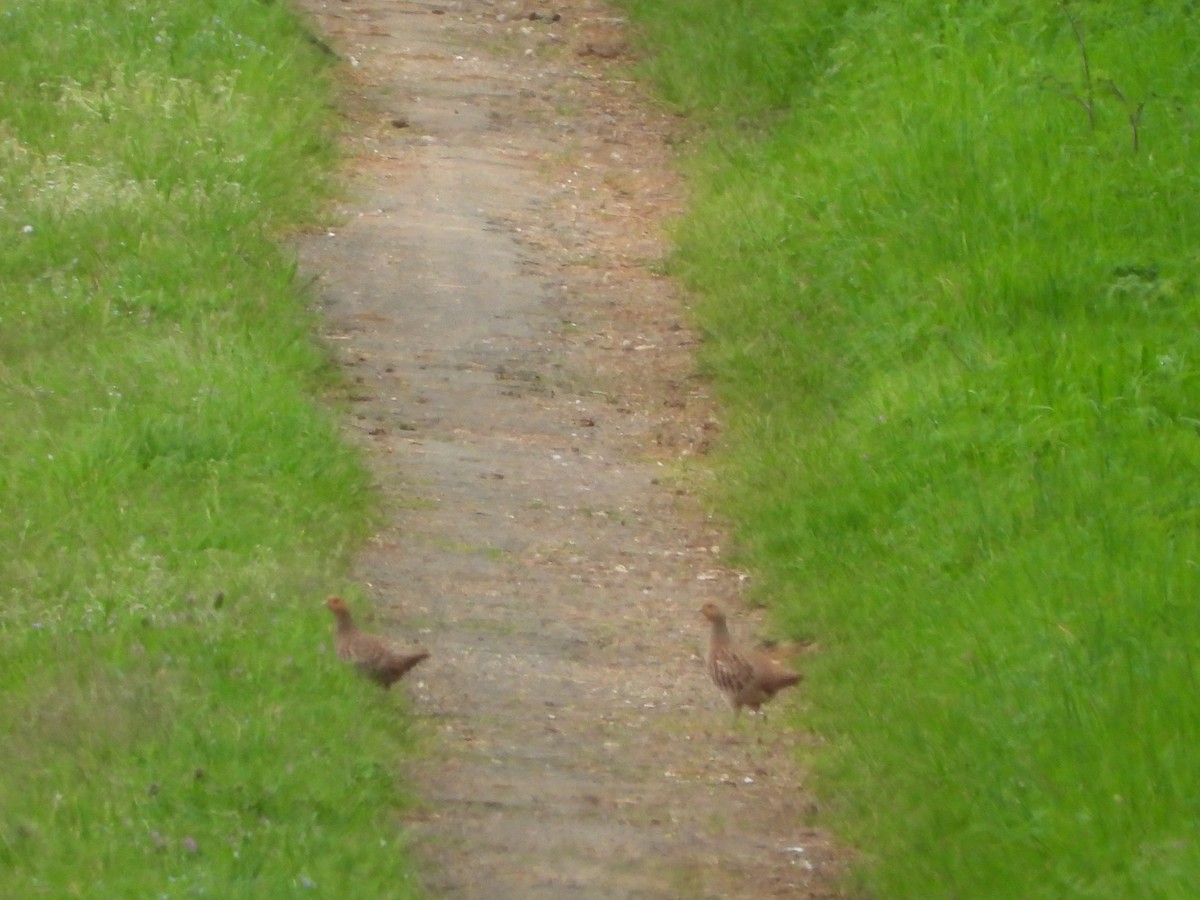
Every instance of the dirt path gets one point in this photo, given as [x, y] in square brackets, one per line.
[528, 397]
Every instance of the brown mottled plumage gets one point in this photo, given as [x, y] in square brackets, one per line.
[747, 677]
[374, 657]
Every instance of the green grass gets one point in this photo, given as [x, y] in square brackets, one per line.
[947, 273]
[176, 497]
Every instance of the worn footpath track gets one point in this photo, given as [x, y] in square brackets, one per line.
[526, 392]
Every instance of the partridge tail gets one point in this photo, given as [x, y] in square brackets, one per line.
[780, 679]
[788, 680]
[398, 666]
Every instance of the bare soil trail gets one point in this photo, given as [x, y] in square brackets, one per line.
[527, 394]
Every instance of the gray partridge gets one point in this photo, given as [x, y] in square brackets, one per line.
[747, 677]
[374, 657]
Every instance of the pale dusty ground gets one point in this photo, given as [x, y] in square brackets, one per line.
[528, 396]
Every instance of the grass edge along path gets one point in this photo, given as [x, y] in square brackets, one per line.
[176, 496]
[945, 261]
